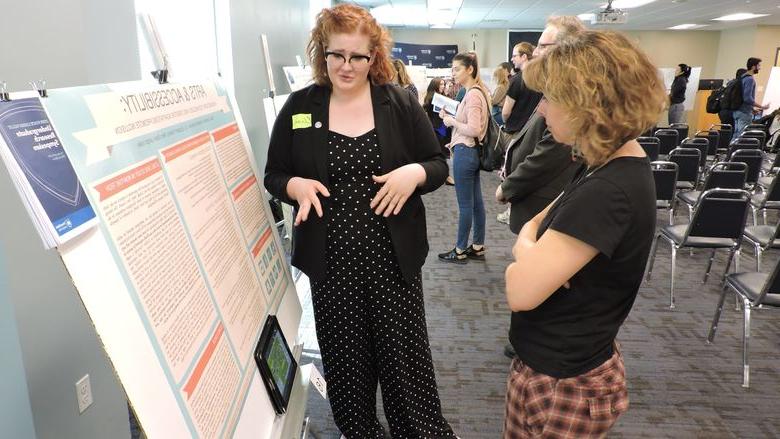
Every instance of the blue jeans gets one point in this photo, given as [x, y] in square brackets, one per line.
[471, 208]
[741, 120]
[496, 113]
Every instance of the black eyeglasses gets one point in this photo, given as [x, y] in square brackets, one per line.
[338, 59]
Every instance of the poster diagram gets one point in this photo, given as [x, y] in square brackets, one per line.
[183, 214]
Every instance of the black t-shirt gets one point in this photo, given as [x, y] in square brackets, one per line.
[526, 101]
[612, 209]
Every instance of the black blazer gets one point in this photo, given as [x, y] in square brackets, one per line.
[537, 169]
[404, 135]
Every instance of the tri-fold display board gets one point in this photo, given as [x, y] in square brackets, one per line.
[186, 263]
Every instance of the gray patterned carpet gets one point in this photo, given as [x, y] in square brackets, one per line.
[679, 386]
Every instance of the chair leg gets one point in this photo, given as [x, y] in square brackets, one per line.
[758, 257]
[709, 267]
[745, 342]
[763, 211]
[653, 249]
[718, 311]
[755, 215]
[671, 216]
[671, 277]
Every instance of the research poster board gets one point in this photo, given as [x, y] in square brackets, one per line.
[772, 92]
[186, 262]
[667, 73]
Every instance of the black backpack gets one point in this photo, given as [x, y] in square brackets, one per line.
[491, 147]
[732, 95]
[714, 100]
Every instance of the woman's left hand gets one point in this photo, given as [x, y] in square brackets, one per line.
[398, 186]
[446, 118]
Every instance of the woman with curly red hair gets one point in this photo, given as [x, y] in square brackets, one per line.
[360, 152]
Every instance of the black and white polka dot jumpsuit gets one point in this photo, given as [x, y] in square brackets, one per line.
[370, 321]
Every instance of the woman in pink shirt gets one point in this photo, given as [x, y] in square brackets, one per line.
[468, 125]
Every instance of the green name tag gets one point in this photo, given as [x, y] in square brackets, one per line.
[301, 121]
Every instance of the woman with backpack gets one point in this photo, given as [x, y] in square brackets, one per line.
[469, 125]
[677, 94]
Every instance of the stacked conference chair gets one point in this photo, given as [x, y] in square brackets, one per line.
[723, 175]
[718, 222]
[700, 143]
[769, 199]
[753, 158]
[669, 138]
[651, 145]
[756, 291]
[682, 129]
[687, 160]
[713, 136]
[665, 177]
[762, 238]
[725, 132]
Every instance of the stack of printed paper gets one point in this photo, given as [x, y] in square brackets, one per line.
[42, 173]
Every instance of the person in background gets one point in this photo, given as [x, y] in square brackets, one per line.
[510, 69]
[443, 132]
[744, 115]
[537, 166]
[402, 78]
[520, 100]
[469, 123]
[501, 78]
[579, 263]
[677, 94]
[360, 233]
[727, 116]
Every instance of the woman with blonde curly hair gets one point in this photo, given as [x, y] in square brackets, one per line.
[579, 263]
[360, 152]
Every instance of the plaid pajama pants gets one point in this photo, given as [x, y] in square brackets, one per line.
[585, 406]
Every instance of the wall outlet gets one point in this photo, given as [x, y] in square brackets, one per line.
[84, 393]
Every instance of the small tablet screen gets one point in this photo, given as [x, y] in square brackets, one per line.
[278, 361]
[276, 364]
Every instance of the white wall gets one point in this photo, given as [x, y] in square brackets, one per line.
[68, 43]
[241, 57]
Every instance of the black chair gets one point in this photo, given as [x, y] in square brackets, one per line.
[723, 175]
[725, 131]
[771, 165]
[714, 137]
[682, 129]
[687, 160]
[753, 159]
[741, 143]
[757, 291]
[758, 127]
[665, 177]
[651, 145]
[755, 134]
[762, 238]
[718, 223]
[767, 200]
[669, 140]
[700, 143]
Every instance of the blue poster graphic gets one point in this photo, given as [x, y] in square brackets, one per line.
[433, 56]
[37, 150]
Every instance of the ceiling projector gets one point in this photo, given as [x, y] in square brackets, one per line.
[610, 15]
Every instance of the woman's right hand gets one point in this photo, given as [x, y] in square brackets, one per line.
[304, 191]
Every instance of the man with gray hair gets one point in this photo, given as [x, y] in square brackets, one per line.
[537, 167]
